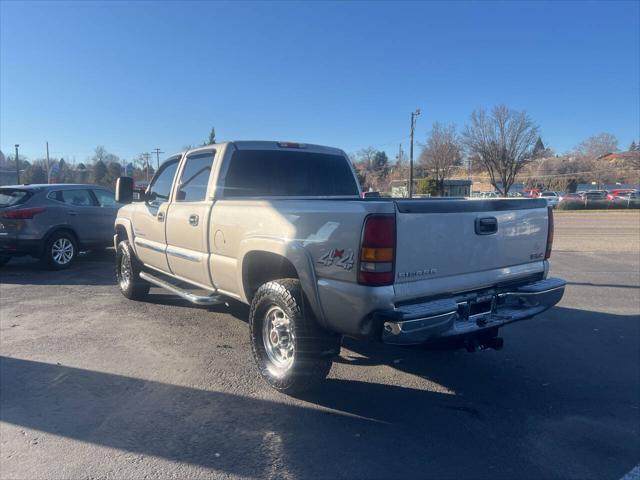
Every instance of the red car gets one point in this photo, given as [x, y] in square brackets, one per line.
[614, 193]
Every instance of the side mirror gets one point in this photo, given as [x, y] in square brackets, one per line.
[124, 190]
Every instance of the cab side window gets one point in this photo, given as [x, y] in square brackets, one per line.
[195, 177]
[162, 182]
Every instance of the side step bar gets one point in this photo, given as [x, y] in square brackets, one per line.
[190, 297]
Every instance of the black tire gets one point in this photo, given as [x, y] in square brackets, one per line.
[4, 259]
[128, 269]
[60, 251]
[313, 348]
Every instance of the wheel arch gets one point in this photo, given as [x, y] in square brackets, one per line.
[60, 228]
[123, 230]
[259, 265]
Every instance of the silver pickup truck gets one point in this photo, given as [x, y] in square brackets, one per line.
[282, 227]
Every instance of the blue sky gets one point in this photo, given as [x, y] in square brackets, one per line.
[135, 76]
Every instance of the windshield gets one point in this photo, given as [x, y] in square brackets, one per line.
[11, 196]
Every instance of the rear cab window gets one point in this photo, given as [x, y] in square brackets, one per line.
[289, 173]
[10, 197]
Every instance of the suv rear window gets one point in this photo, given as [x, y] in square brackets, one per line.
[12, 196]
[278, 173]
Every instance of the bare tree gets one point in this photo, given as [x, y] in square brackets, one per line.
[366, 155]
[596, 146]
[441, 154]
[503, 142]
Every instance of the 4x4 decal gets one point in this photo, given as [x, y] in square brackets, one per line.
[339, 257]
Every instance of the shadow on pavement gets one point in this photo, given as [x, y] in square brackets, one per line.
[90, 268]
[530, 411]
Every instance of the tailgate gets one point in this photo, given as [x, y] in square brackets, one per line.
[442, 238]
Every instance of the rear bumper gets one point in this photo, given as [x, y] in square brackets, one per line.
[440, 319]
[16, 247]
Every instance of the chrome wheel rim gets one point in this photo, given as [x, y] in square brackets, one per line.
[125, 272]
[62, 251]
[278, 340]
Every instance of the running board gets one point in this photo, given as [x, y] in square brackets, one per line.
[190, 297]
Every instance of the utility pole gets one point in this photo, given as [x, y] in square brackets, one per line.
[158, 152]
[414, 116]
[146, 163]
[48, 168]
[17, 166]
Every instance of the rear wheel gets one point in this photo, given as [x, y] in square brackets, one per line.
[292, 352]
[128, 269]
[60, 251]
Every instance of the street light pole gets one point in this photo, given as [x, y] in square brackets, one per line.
[414, 116]
[48, 166]
[17, 166]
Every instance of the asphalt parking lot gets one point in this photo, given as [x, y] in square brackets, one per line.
[96, 386]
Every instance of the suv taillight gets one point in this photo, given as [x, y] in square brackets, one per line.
[377, 251]
[547, 252]
[23, 213]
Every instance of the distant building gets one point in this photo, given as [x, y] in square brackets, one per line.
[485, 187]
[457, 188]
[620, 157]
[8, 177]
[452, 188]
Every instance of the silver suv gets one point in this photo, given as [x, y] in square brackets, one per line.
[54, 222]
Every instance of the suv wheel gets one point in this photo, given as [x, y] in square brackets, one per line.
[292, 352]
[60, 251]
[128, 269]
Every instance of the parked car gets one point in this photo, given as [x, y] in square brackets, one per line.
[631, 198]
[619, 191]
[54, 222]
[569, 197]
[592, 195]
[552, 198]
[282, 227]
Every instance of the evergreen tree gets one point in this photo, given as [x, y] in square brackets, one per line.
[380, 162]
[100, 173]
[34, 173]
[212, 137]
[633, 147]
[538, 149]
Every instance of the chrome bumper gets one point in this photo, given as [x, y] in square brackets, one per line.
[429, 321]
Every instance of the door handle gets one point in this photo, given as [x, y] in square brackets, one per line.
[72, 212]
[193, 220]
[486, 225]
[160, 216]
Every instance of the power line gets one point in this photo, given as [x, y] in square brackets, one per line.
[157, 152]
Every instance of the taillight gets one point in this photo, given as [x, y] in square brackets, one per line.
[377, 251]
[547, 252]
[23, 213]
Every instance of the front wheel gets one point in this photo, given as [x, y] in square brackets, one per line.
[128, 269]
[292, 352]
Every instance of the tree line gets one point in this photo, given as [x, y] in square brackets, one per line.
[502, 145]
[102, 168]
